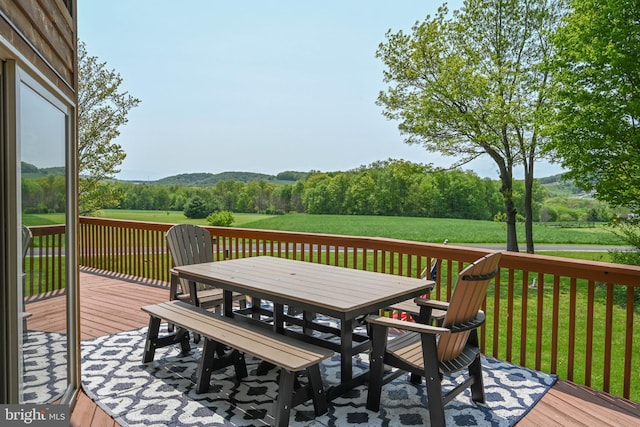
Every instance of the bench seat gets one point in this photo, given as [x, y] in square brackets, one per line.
[290, 355]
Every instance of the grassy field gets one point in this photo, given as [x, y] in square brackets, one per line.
[43, 219]
[173, 217]
[434, 230]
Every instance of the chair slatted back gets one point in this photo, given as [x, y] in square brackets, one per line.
[466, 300]
[189, 244]
[26, 240]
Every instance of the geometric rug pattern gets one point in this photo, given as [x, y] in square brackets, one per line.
[45, 366]
[162, 392]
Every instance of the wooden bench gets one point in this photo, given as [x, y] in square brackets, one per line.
[290, 355]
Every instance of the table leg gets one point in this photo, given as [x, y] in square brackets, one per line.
[278, 317]
[308, 317]
[278, 326]
[227, 303]
[256, 304]
[346, 351]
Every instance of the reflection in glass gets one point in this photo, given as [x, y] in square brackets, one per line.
[41, 138]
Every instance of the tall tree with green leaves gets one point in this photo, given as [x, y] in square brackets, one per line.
[473, 85]
[596, 114]
[596, 126]
[102, 110]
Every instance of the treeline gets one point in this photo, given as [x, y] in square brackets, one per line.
[394, 187]
[391, 188]
[44, 194]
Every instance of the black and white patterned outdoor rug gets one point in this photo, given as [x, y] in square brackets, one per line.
[45, 366]
[162, 392]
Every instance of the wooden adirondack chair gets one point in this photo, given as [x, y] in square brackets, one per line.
[435, 351]
[191, 244]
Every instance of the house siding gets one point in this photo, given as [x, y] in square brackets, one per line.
[44, 32]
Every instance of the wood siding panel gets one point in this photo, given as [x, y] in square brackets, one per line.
[44, 32]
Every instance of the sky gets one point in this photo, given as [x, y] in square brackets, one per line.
[256, 86]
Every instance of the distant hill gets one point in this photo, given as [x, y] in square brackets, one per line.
[208, 179]
[555, 183]
[560, 186]
[31, 171]
[553, 179]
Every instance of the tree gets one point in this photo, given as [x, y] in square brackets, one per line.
[597, 107]
[596, 133]
[474, 85]
[102, 110]
[221, 219]
[197, 208]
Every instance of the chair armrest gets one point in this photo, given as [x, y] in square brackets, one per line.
[407, 326]
[440, 305]
[474, 323]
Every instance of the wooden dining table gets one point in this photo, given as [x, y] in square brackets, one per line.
[343, 294]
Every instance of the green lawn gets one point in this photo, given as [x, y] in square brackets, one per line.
[433, 230]
[43, 219]
[172, 217]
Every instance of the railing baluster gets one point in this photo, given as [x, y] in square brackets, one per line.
[555, 324]
[510, 300]
[571, 347]
[589, 333]
[524, 310]
[606, 386]
[496, 312]
[628, 342]
[60, 257]
[450, 277]
[539, 319]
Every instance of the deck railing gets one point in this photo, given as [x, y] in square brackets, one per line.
[577, 319]
[43, 263]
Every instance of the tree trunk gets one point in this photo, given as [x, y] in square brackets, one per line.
[512, 235]
[528, 206]
[510, 211]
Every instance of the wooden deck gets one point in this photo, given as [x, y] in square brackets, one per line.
[110, 304]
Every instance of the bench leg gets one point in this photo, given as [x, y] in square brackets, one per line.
[239, 364]
[376, 363]
[183, 336]
[210, 363]
[317, 390]
[152, 338]
[205, 367]
[154, 342]
[196, 338]
[282, 405]
[264, 368]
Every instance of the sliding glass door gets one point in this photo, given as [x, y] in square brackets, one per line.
[42, 132]
[39, 281]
